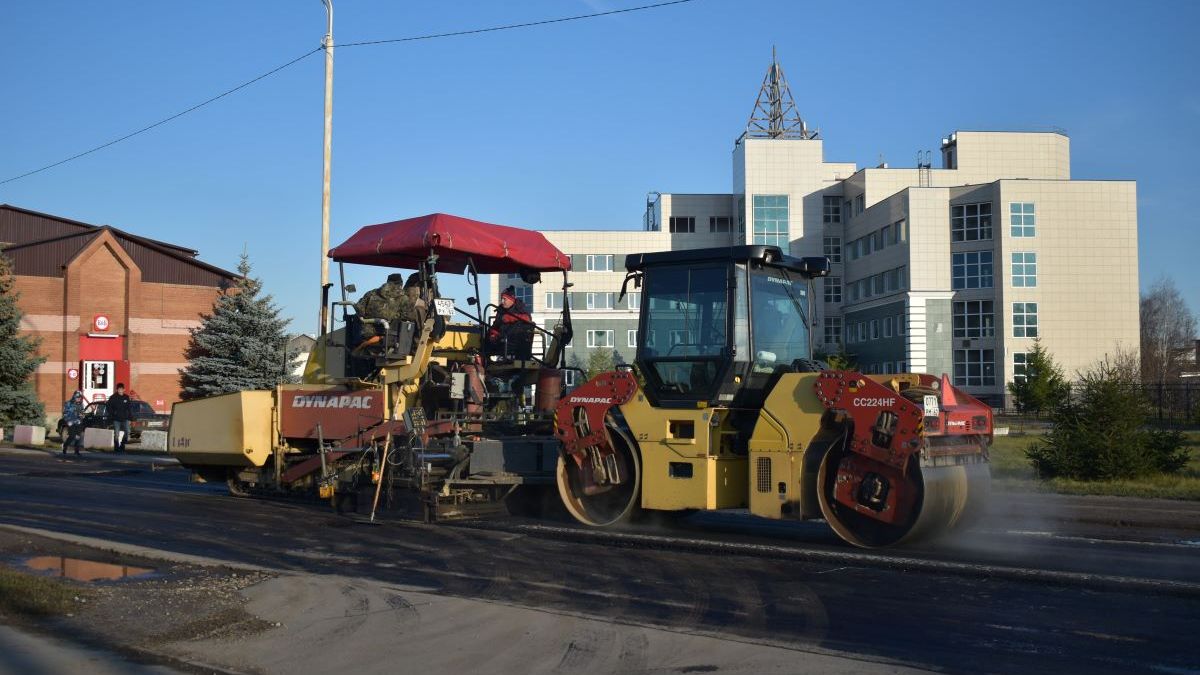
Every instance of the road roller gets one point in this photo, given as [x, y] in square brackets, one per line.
[725, 408]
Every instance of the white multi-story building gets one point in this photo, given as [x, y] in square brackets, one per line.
[952, 270]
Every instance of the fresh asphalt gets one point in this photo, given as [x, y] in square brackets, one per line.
[1044, 584]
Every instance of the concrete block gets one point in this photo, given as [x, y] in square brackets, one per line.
[154, 440]
[98, 439]
[26, 434]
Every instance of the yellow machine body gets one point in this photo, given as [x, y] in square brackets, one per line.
[231, 430]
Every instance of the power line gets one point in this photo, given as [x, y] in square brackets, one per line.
[247, 83]
[163, 121]
[511, 26]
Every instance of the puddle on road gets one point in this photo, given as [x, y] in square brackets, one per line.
[83, 570]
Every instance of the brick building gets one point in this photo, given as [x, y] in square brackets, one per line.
[109, 306]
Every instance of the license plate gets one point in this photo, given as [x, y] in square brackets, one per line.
[444, 306]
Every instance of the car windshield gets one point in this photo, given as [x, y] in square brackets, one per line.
[142, 408]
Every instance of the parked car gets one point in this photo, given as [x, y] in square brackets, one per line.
[144, 417]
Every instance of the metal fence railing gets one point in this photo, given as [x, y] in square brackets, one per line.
[1174, 405]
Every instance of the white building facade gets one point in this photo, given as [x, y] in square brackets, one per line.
[950, 270]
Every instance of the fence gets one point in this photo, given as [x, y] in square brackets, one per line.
[1174, 405]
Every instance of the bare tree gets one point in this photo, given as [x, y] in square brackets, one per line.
[1168, 331]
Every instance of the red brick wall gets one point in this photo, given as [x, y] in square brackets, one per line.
[153, 317]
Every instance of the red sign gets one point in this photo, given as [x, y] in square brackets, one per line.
[342, 413]
[72, 373]
[100, 323]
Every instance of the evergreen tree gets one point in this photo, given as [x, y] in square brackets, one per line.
[19, 359]
[1042, 386]
[240, 346]
[601, 360]
[1101, 434]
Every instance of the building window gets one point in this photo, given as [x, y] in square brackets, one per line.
[902, 275]
[599, 263]
[525, 295]
[833, 249]
[878, 284]
[1024, 320]
[771, 220]
[891, 280]
[874, 329]
[600, 338]
[896, 229]
[974, 319]
[887, 368]
[569, 378]
[867, 244]
[972, 269]
[831, 210]
[864, 288]
[631, 337]
[833, 330]
[1024, 270]
[681, 224]
[889, 326]
[861, 333]
[682, 337]
[720, 224]
[1020, 365]
[599, 301]
[901, 326]
[1023, 219]
[885, 236]
[902, 366]
[634, 300]
[971, 222]
[860, 204]
[852, 250]
[975, 367]
[833, 289]
[512, 276]
[846, 212]
[554, 300]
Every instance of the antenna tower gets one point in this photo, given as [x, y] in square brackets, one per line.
[775, 114]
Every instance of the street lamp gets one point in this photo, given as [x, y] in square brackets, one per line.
[327, 43]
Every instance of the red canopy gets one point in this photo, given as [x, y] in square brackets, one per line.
[494, 249]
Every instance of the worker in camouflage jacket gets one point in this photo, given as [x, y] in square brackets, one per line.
[388, 302]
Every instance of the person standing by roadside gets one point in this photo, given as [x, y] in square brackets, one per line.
[120, 412]
[73, 423]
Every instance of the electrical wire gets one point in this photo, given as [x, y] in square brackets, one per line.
[511, 26]
[163, 121]
[247, 83]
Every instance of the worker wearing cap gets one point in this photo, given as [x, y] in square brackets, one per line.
[511, 333]
[73, 423]
[388, 302]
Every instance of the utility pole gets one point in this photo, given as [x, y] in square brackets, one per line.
[327, 43]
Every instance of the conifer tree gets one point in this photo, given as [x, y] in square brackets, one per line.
[241, 345]
[1042, 386]
[19, 359]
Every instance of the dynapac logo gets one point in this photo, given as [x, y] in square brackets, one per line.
[590, 399]
[349, 402]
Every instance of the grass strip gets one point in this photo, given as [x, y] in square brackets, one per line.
[1012, 471]
[33, 595]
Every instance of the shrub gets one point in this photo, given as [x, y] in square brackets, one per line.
[1101, 433]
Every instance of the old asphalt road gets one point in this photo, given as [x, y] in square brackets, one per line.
[1031, 590]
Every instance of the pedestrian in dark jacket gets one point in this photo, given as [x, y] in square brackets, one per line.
[120, 411]
[73, 423]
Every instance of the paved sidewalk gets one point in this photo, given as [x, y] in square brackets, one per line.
[23, 653]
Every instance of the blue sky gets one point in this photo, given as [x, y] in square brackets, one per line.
[563, 126]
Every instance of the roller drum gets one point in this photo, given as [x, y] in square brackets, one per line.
[948, 498]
